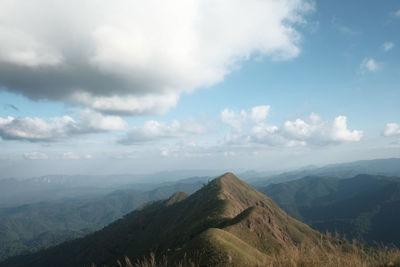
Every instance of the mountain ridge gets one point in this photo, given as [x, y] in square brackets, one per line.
[227, 212]
[364, 207]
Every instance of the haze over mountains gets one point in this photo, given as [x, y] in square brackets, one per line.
[24, 191]
[389, 167]
[365, 207]
[31, 227]
[225, 223]
[61, 208]
[227, 219]
[15, 192]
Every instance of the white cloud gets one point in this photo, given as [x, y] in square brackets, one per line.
[39, 130]
[318, 132]
[392, 129]
[70, 155]
[259, 113]
[22, 49]
[238, 120]
[93, 121]
[128, 105]
[34, 129]
[229, 117]
[340, 132]
[35, 155]
[300, 129]
[299, 132]
[154, 130]
[369, 65]
[137, 57]
[387, 46]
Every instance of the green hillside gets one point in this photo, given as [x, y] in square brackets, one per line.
[29, 228]
[227, 220]
[365, 207]
[225, 223]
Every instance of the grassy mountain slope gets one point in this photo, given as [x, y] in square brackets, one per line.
[226, 222]
[365, 207]
[29, 228]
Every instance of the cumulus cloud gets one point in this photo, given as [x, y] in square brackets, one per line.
[340, 132]
[35, 155]
[33, 129]
[90, 121]
[316, 131]
[39, 130]
[392, 129]
[137, 57]
[257, 114]
[249, 126]
[154, 130]
[298, 132]
[369, 65]
[387, 46]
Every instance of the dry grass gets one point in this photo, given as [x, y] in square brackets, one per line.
[152, 262]
[329, 252]
[332, 252]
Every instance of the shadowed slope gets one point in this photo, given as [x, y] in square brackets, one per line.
[365, 207]
[226, 221]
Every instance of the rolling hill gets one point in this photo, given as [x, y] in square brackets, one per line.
[365, 207]
[227, 220]
[17, 192]
[32, 227]
[387, 167]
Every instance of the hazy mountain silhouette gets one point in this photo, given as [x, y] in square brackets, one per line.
[227, 221]
[365, 207]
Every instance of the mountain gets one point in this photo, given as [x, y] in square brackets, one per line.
[32, 227]
[227, 222]
[15, 192]
[365, 207]
[387, 167]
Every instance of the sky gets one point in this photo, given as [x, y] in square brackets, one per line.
[111, 87]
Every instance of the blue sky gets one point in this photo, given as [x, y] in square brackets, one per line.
[260, 85]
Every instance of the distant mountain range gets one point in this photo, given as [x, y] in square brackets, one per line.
[365, 207]
[387, 167]
[60, 208]
[225, 223]
[31, 227]
[14, 192]
[227, 220]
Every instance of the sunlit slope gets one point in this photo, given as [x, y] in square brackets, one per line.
[225, 222]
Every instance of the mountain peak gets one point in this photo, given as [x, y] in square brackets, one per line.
[228, 176]
[238, 194]
[220, 219]
[230, 182]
